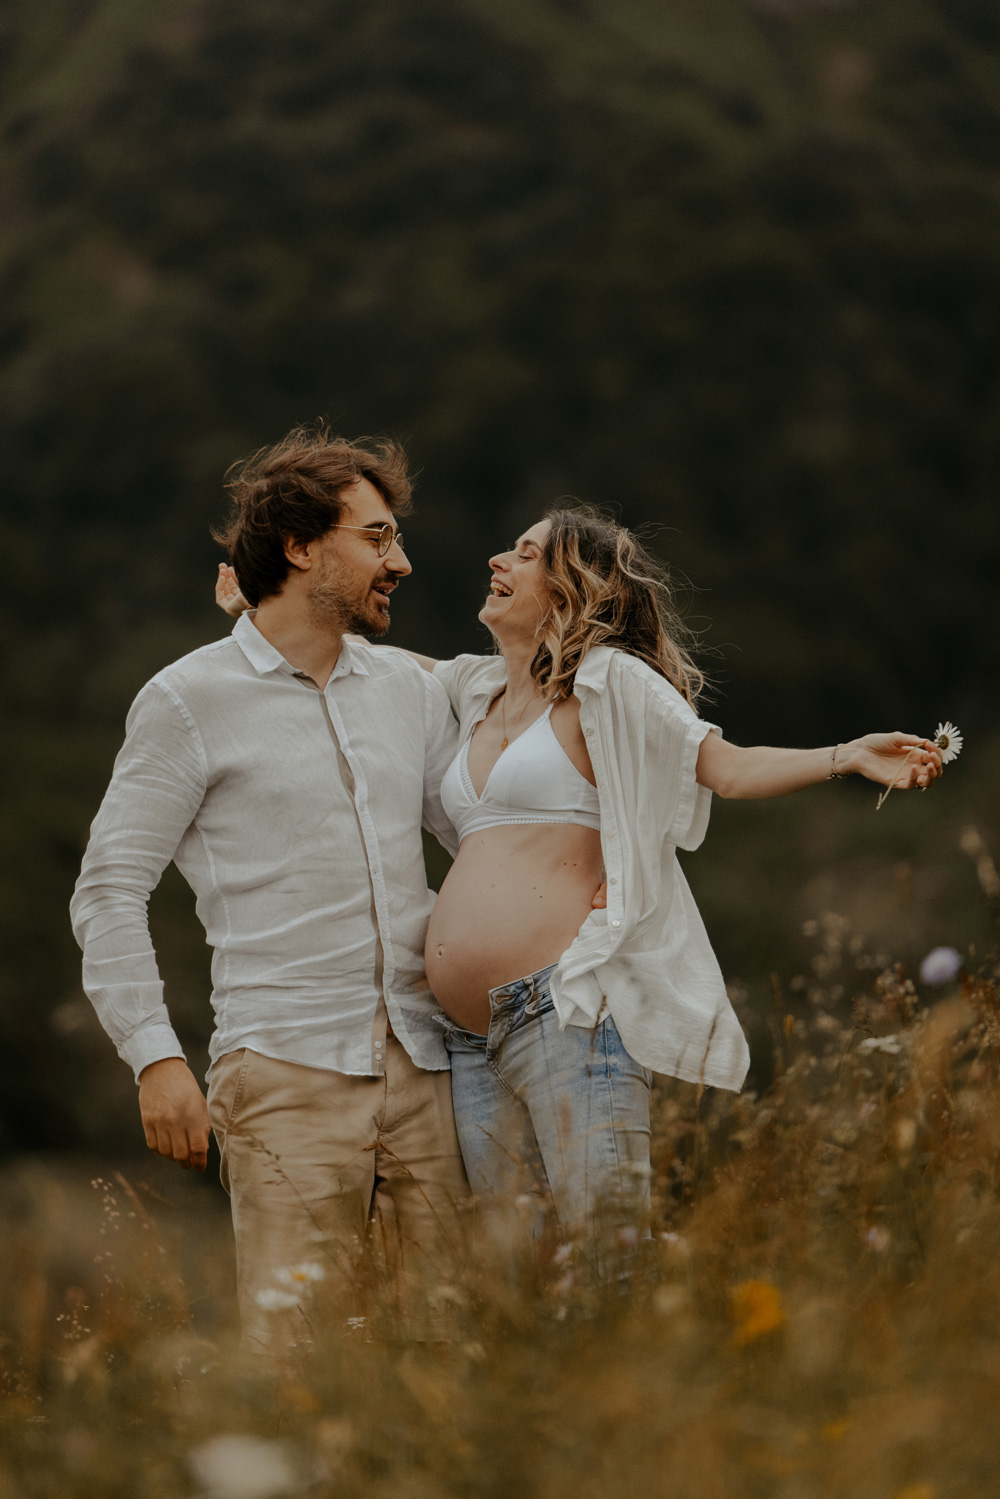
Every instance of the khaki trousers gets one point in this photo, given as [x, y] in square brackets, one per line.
[326, 1171]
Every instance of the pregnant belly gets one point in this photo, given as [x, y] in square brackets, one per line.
[513, 901]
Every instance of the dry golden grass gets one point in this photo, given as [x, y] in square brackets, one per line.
[817, 1312]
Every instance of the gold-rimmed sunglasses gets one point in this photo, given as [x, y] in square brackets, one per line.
[382, 536]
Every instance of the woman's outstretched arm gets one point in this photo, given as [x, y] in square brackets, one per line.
[761, 771]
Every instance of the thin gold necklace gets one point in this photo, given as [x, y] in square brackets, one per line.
[503, 714]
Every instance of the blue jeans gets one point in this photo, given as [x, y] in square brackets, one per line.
[564, 1113]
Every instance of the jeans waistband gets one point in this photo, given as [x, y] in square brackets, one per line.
[521, 989]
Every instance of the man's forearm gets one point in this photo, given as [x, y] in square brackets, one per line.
[154, 794]
[120, 976]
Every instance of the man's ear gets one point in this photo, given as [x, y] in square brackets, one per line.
[297, 553]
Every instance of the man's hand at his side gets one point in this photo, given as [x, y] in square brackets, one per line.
[174, 1113]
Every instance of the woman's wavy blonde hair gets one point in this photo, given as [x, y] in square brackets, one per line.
[606, 589]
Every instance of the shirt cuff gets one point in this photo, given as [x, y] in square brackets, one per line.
[153, 1043]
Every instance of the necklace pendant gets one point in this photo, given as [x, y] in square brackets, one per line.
[503, 743]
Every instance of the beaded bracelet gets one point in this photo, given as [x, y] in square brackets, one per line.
[835, 774]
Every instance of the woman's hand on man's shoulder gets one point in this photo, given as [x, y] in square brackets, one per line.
[227, 592]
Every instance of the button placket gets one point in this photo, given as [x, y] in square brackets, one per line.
[369, 837]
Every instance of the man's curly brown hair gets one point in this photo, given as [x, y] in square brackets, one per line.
[293, 491]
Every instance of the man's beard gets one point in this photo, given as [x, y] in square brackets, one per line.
[333, 608]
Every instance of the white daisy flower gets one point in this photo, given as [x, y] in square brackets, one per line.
[949, 741]
[300, 1275]
[270, 1299]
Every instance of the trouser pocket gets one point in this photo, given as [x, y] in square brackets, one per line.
[226, 1087]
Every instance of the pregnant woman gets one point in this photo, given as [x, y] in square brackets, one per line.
[583, 758]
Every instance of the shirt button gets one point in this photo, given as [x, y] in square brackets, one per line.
[612, 881]
[588, 732]
[616, 923]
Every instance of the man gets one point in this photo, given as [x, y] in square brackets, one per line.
[287, 771]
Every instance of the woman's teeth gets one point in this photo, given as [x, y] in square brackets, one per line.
[499, 591]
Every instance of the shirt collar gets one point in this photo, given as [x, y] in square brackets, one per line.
[352, 659]
[592, 673]
[265, 658]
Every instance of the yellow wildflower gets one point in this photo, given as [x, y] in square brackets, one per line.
[757, 1310]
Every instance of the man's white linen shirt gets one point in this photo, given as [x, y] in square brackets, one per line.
[240, 770]
[646, 959]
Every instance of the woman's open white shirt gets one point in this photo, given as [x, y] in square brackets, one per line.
[646, 958]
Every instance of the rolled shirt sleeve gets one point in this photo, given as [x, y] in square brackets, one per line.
[158, 785]
[449, 673]
[464, 677]
[674, 735]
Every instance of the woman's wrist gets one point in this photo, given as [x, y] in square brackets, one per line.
[843, 760]
[840, 762]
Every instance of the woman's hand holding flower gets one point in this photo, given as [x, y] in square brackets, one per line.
[902, 761]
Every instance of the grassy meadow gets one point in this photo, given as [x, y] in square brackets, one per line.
[817, 1311]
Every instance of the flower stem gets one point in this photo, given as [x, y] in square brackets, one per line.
[894, 780]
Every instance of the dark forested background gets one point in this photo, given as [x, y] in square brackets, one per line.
[730, 266]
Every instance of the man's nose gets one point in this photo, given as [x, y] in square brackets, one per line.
[397, 561]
